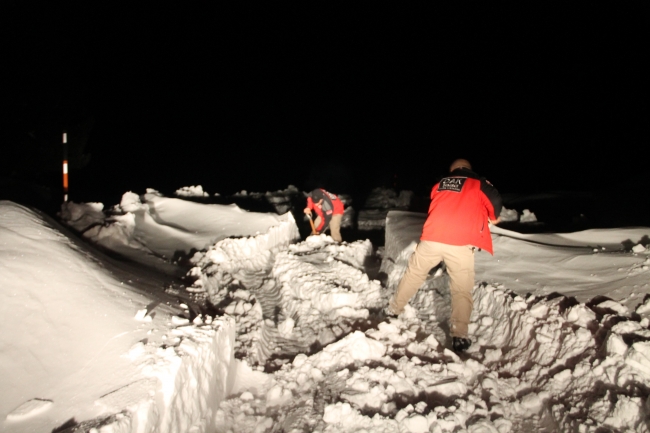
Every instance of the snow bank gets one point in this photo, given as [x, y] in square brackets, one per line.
[582, 264]
[187, 382]
[156, 230]
[180, 387]
[403, 230]
[87, 345]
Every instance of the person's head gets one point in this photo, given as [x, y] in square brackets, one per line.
[460, 163]
[316, 198]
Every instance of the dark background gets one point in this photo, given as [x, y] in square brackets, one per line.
[538, 97]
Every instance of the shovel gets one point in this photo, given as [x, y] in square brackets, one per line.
[311, 222]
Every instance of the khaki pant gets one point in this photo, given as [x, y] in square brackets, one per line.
[334, 226]
[460, 266]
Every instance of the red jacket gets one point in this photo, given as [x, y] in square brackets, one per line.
[460, 207]
[332, 205]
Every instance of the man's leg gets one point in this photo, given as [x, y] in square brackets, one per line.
[460, 266]
[317, 223]
[335, 227]
[427, 255]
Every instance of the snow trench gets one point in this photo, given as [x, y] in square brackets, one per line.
[539, 364]
[309, 323]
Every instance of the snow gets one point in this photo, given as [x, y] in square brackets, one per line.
[527, 216]
[191, 191]
[179, 315]
[72, 348]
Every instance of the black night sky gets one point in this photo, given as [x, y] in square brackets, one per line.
[538, 97]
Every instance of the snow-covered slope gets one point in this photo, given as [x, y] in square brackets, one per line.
[91, 341]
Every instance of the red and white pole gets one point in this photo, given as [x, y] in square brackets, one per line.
[65, 166]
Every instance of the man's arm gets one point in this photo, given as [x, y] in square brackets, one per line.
[310, 206]
[494, 198]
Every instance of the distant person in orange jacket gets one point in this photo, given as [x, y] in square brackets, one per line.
[329, 212]
[462, 207]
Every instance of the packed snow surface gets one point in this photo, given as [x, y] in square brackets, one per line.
[270, 332]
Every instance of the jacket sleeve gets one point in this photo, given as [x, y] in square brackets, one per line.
[310, 203]
[434, 190]
[493, 196]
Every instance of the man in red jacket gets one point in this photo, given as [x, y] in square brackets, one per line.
[329, 212]
[462, 206]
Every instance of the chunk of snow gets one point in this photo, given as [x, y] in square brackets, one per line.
[358, 347]
[30, 408]
[179, 321]
[448, 389]
[527, 217]
[617, 307]
[580, 315]
[508, 215]
[616, 345]
[286, 327]
[131, 202]
[416, 424]
[191, 191]
[644, 308]
[141, 316]
[626, 414]
[277, 396]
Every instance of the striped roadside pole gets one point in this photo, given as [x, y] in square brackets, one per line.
[65, 166]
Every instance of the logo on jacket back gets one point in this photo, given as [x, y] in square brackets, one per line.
[454, 184]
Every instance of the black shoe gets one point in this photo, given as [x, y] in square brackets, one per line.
[461, 344]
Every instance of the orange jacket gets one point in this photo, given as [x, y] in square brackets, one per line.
[460, 207]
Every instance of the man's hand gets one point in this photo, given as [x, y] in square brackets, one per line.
[496, 221]
[307, 211]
